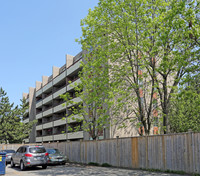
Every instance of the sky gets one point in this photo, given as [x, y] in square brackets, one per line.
[35, 35]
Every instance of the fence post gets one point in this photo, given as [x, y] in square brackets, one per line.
[118, 152]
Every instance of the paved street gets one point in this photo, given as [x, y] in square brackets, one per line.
[76, 170]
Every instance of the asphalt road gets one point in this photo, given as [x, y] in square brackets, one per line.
[79, 170]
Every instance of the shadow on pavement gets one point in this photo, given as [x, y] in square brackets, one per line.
[84, 170]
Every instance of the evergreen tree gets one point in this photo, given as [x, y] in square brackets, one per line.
[12, 129]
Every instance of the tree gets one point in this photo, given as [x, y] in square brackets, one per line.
[148, 48]
[184, 110]
[91, 111]
[12, 130]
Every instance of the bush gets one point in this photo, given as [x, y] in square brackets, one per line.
[106, 165]
[93, 164]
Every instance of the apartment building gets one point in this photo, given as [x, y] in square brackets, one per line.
[49, 109]
[46, 106]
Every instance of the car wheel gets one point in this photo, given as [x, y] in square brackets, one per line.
[22, 167]
[44, 166]
[12, 164]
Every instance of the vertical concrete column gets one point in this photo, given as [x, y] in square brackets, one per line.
[44, 80]
[32, 113]
[38, 85]
[55, 71]
[25, 95]
[69, 60]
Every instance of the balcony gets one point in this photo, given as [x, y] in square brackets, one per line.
[48, 125]
[39, 127]
[75, 135]
[60, 137]
[71, 86]
[77, 116]
[26, 120]
[38, 116]
[59, 92]
[39, 92]
[59, 122]
[38, 103]
[48, 138]
[47, 86]
[26, 140]
[59, 108]
[73, 67]
[59, 78]
[62, 69]
[38, 139]
[48, 112]
[47, 99]
[75, 100]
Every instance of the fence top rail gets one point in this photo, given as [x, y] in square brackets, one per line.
[102, 140]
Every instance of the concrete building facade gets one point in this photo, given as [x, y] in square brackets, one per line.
[46, 106]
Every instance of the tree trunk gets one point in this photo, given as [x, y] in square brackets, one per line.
[165, 107]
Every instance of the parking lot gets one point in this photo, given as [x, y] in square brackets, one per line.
[76, 170]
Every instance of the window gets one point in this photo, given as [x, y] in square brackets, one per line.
[37, 150]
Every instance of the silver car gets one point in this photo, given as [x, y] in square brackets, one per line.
[9, 154]
[56, 157]
[30, 155]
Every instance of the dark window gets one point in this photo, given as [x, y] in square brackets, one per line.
[24, 150]
[53, 151]
[19, 150]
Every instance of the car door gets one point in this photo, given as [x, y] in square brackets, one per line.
[17, 155]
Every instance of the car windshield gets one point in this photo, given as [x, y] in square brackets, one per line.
[37, 150]
[8, 151]
[53, 151]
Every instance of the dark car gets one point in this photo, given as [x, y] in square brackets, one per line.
[30, 155]
[56, 157]
[9, 154]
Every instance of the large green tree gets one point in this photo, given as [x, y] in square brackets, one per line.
[148, 47]
[12, 129]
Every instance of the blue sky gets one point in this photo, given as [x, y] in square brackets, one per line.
[34, 36]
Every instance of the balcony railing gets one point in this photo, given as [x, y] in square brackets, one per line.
[77, 57]
[71, 81]
[48, 108]
[59, 103]
[37, 101]
[50, 134]
[59, 132]
[59, 88]
[38, 112]
[39, 136]
[47, 95]
[62, 69]
[47, 121]
[75, 60]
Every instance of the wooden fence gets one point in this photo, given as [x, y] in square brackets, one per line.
[177, 152]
